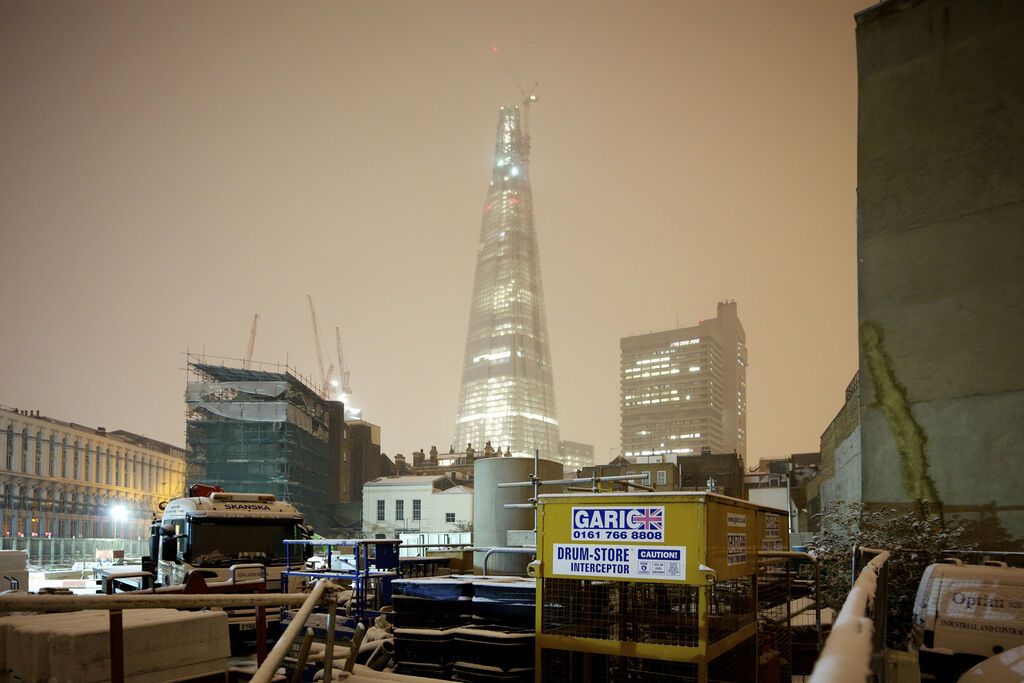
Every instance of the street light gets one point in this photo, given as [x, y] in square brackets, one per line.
[118, 513]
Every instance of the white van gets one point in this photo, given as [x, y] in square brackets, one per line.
[964, 614]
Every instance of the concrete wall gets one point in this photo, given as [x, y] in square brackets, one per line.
[846, 482]
[940, 241]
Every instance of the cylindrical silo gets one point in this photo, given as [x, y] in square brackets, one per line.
[491, 521]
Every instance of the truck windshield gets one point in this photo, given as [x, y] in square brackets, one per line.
[225, 542]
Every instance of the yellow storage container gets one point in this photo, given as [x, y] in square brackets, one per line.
[659, 586]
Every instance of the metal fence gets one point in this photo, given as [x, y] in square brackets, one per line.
[65, 552]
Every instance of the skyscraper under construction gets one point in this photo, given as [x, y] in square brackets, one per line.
[508, 395]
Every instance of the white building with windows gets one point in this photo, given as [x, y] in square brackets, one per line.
[64, 480]
[415, 504]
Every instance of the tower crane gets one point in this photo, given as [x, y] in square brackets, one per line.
[346, 390]
[329, 381]
[528, 97]
[247, 361]
[324, 379]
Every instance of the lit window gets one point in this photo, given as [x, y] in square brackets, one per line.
[662, 477]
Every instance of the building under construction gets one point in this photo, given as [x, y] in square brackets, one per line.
[266, 431]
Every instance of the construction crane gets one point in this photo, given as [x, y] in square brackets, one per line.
[528, 97]
[247, 361]
[329, 381]
[346, 390]
[319, 352]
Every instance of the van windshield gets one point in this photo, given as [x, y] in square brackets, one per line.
[222, 542]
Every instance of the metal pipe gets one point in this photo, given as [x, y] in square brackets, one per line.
[332, 616]
[303, 655]
[75, 603]
[566, 482]
[789, 501]
[261, 635]
[536, 488]
[379, 659]
[507, 551]
[266, 671]
[853, 625]
[116, 647]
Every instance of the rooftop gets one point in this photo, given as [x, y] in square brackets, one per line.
[406, 480]
[117, 435]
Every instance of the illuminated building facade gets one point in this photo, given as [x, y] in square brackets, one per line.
[64, 480]
[685, 390]
[508, 395]
[575, 455]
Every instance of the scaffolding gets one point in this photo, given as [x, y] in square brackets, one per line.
[263, 430]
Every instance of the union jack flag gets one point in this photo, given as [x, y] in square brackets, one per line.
[649, 519]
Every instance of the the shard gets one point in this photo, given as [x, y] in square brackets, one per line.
[508, 395]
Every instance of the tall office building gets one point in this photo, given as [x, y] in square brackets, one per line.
[508, 396]
[685, 389]
[575, 455]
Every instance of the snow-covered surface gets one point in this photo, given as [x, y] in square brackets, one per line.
[846, 657]
[430, 632]
[480, 632]
[365, 673]
[75, 647]
[1007, 667]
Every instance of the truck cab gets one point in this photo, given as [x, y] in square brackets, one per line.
[215, 532]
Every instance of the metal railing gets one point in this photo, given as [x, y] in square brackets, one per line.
[853, 651]
[532, 552]
[64, 552]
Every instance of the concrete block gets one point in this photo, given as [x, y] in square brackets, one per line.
[159, 644]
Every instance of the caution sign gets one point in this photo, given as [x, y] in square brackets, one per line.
[665, 563]
[619, 524]
[737, 549]
[772, 533]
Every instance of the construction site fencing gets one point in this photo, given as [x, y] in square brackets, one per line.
[854, 650]
[66, 552]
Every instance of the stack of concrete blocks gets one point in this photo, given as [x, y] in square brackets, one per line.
[74, 647]
[13, 570]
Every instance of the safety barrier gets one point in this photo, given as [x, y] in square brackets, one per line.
[853, 651]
